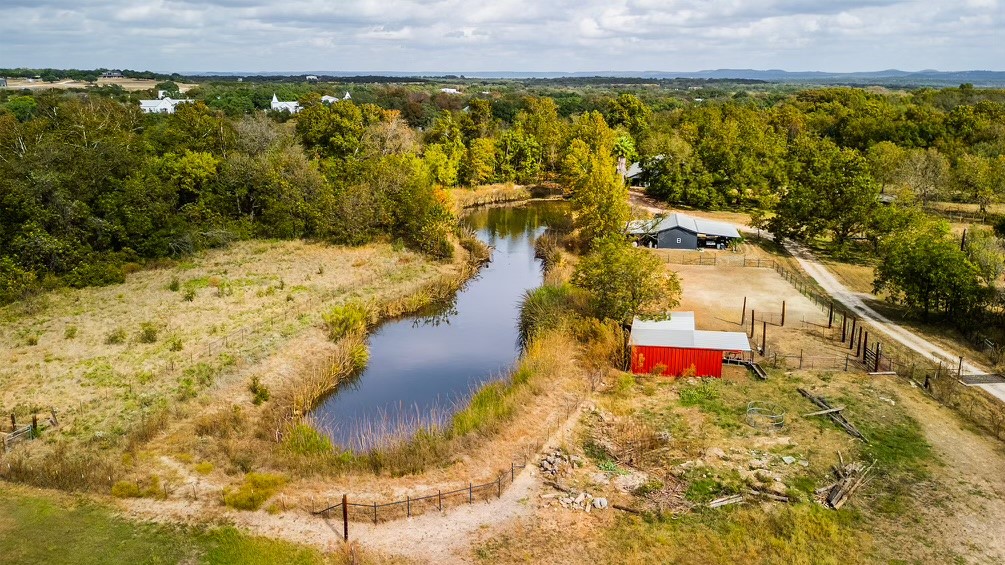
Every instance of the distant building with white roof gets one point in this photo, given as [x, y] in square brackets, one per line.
[291, 107]
[163, 105]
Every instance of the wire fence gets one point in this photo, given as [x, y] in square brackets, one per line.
[721, 259]
[377, 512]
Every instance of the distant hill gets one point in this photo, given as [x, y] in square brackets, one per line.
[885, 77]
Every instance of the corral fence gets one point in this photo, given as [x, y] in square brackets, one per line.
[377, 512]
[716, 260]
[962, 216]
[20, 433]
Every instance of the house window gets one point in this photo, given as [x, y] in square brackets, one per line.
[678, 240]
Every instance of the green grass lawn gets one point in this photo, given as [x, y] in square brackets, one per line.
[34, 529]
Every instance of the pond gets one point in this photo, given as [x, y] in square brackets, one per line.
[423, 368]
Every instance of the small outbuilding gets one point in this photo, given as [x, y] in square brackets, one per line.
[674, 347]
[679, 231]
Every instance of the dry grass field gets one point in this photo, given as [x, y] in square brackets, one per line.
[121, 362]
[127, 84]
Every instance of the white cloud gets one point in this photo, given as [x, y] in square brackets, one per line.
[458, 35]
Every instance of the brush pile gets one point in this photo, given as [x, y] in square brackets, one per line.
[850, 477]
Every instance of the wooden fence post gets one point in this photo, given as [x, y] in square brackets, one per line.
[408, 506]
[852, 342]
[345, 517]
[865, 345]
[764, 338]
[752, 318]
[13, 422]
[800, 358]
[783, 313]
[830, 315]
[743, 311]
[844, 328]
[374, 513]
[858, 350]
[439, 500]
[471, 494]
[512, 472]
[959, 371]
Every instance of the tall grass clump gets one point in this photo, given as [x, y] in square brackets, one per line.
[253, 491]
[349, 318]
[544, 308]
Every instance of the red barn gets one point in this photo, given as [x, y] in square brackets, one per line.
[672, 347]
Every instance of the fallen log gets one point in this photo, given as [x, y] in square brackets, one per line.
[823, 412]
[835, 416]
[769, 495]
[628, 509]
[726, 500]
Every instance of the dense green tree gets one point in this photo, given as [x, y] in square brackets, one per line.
[599, 194]
[830, 190]
[928, 272]
[625, 281]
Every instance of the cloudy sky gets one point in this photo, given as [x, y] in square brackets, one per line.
[503, 35]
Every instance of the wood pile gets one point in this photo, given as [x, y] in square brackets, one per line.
[850, 477]
[833, 412]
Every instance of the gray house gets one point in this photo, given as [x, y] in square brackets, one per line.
[3, 82]
[678, 231]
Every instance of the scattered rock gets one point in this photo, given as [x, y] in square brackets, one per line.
[757, 464]
[716, 452]
[777, 487]
[804, 463]
[788, 459]
[631, 481]
[600, 503]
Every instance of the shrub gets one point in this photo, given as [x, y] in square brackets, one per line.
[351, 317]
[175, 285]
[126, 489]
[95, 274]
[254, 491]
[204, 468]
[148, 333]
[189, 295]
[175, 344]
[31, 340]
[70, 332]
[698, 395]
[303, 439]
[544, 308]
[15, 282]
[259, 392]
[117, 336]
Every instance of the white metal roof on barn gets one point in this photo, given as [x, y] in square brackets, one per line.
[685, 222]
[679, 332]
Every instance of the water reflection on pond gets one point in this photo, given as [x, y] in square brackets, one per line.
[423, 367]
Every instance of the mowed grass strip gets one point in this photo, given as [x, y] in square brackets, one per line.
[34, 529]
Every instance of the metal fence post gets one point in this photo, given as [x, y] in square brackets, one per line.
[439, 500]
[471, 493]
[345, 517]
[408, 506]
[374, 513]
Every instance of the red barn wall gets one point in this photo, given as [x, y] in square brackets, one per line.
[707, 362]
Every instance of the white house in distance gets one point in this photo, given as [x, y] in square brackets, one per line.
[291, 107]
[450, 91]
[163, 105]
[333, 99]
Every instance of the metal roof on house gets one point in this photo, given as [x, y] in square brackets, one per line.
[634, 170]
[684, 222]
[679, 332]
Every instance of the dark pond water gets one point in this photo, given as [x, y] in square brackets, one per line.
[423, 368]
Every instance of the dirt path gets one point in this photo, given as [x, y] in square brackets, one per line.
[971, 482]
[905, 337]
